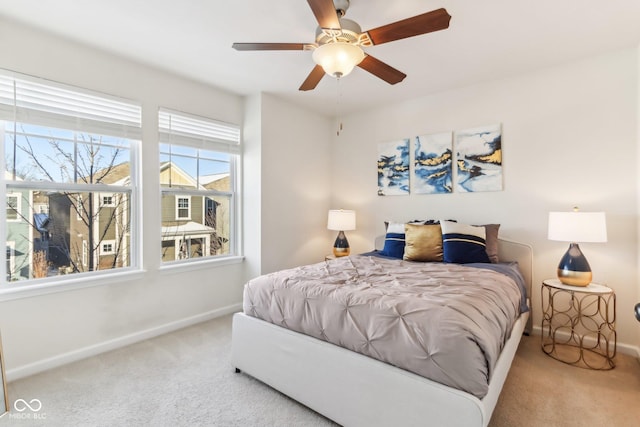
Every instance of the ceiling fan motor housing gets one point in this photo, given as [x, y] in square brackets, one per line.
[350, 33]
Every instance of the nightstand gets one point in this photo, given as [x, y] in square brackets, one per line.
[579, 324]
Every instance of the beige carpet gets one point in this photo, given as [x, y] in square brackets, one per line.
[185, 379]
[540, 391]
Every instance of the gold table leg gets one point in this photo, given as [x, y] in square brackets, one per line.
[581, 331]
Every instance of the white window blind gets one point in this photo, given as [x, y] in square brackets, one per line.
[34, 100]
[184, 129]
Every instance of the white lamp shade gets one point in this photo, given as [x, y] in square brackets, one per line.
[577, 227]
[338, 58]
[341, 220]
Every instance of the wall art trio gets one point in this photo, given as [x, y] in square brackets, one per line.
[427, 165]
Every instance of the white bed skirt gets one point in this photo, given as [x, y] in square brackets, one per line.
[356, 390]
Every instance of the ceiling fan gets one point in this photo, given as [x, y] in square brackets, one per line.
[337, 48]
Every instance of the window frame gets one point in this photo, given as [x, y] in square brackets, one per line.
[79, 207]
[122, 123]
[85, 250]
[10, 257]
[179, 197]
[18, 208]
[112, 251]
[111, 203]
[225, 138]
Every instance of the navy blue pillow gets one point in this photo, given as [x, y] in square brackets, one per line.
[462, 244]
[393, 245]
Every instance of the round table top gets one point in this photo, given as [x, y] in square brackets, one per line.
[591, 288]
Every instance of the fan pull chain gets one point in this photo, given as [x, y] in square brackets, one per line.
[338, 118]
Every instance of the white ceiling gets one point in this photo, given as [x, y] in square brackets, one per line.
[485, 40]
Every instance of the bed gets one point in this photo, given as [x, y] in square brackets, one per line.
[354, 389]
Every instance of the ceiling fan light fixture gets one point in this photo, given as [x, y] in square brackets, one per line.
[338, 58]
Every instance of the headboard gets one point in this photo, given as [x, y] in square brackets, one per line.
[522, 253]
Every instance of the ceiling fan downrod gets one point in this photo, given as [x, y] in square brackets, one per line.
[341, 7]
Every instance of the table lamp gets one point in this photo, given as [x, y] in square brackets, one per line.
[574, 227]
[341, 220]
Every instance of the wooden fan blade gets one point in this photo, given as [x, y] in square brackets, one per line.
[325, 13]
[271, 46]
[421, 24]
[313, 78]
[382, 70]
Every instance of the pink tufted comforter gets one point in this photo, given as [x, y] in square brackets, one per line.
[445, 322]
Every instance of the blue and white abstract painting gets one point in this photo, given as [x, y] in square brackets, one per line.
[393, 168]
[433, 164]
[479, 159]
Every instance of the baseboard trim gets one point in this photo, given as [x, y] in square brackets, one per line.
[93, 350]
[623, 348]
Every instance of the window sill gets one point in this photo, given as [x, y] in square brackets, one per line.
[15, 290]
[180, 266]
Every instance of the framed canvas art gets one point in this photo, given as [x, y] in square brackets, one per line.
[393, 168]
[479, 159]
[433, 164]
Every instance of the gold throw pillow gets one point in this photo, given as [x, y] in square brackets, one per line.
[423, 242]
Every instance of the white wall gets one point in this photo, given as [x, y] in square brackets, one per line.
[291, 167]
[251, 184]
[569, 138]
[44, 331]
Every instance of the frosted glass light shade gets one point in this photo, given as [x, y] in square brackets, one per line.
[338, 58]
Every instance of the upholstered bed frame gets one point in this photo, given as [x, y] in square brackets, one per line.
[356, 390]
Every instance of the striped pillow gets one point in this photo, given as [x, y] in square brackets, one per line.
[394, 240]
[462, 244]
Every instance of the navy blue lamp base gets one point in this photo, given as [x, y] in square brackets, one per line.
[341, 245]
[574, 270]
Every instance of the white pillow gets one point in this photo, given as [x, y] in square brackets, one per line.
[395, 227]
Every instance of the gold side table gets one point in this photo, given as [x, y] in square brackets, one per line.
[579, 324]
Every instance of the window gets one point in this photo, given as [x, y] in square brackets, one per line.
[41, 208]
[10, 261]
[67, 150]
[182, 207]
[198, 167]
[79, 208]
[108, 247]
[107, 200]
[14, 207]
